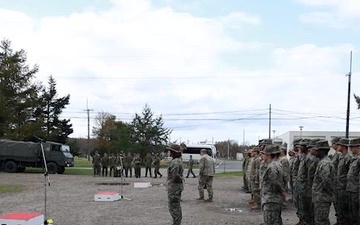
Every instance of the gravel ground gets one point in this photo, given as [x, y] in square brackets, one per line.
[70, 200]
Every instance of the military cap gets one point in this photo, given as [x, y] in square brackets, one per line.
[291, 151]
[343, 141]
[174, 148]
[304, 142]
[266, 142]
[296, 141]
[312, 143]
[284, 146]
[354, 142]
[183, 145]
[271, 149]
[335, 140]
[322, 145]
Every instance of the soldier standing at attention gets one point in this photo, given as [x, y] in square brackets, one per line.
[291, 163]
[112, 162]
[148, 162]
[137, 165]
[246, 159]
[157, 166]
[312, 162]
[295, 170]
[255, 178]
[335, 161]
[248, 172]
[352, 186]
[127, 164]
[272, 187]
[285, 165]
[206, 175]
[174, 183]
[323, 185]
[104, 165]
[190, 167]
[342, 196]
[96, 164]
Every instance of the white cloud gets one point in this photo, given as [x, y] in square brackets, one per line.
[335, 13]
[134, 53]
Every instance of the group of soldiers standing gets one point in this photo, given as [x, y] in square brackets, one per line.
[119, 165]
[314, 180]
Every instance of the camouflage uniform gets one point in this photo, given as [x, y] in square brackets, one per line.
[322, 191]
[244, 167]
[190, 169]
[105, 165]
[96, 164]
[175, 186]
[112, 162]
[335, 160]
[291, 164]
[352, 186]
[128, 165]
[295, 171]
[342, 197]
[157, 166]
[248, 171]
[309, 209]
[148, 162]
[272, 192]
[255, 180]
[206, 176]
[137, 166]
[285, 164]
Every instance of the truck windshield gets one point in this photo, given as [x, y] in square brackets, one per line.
[65, 148]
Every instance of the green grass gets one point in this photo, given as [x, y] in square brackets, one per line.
[78, 171]
[82, 162]
[230, 174]
[7, 188]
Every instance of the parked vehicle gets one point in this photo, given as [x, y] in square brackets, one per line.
[15, 156]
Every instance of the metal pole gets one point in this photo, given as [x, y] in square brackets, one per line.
[270, 121]
[228, 149]
[88, 136]
[348, 99]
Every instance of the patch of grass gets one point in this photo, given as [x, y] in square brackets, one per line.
[9, 188]
[78, 171]
[230, 174]
[82, 162]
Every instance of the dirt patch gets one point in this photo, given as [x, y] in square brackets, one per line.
[71, 201]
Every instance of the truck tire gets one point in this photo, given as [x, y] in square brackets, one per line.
[61, 170]
[11, 167]
[52, 168]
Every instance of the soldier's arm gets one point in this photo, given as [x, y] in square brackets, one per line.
[257, 171]
[202, 165]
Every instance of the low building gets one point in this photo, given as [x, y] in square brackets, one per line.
[290, 136]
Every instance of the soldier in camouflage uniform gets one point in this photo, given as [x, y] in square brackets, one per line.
[343, 216]
[157, 166]
[248, 172]
[128, 164]
[112, 162]
[272, 187]
[174, 183]
[96, 164]
[323, 184]
[206, 175]
[148, 161]
[285, 165]
[335, 160]
[104, 165]
[291, 163]
[137, 165]
[294, 172]
[352, 186]
[245, 164]
[255, 178]
[190, 167]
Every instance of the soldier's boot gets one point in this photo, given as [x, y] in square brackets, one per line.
[200, 198]
[251, 201]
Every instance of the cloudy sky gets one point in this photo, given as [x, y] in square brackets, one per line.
[211, 68]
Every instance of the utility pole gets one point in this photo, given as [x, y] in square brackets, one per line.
[348, 99]
[228, 149]
[88, 121]
[244, 137]
[270, 121]
[301, 127]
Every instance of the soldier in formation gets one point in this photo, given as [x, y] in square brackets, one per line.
[245, 164]
[148, 161]
[137, 165]
[174, 183]
[285, 166]
[255, 178]
[128, 164]
[96, 164]
[112, 162]
[104, 165]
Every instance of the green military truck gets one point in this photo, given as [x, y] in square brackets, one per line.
[15, 156]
